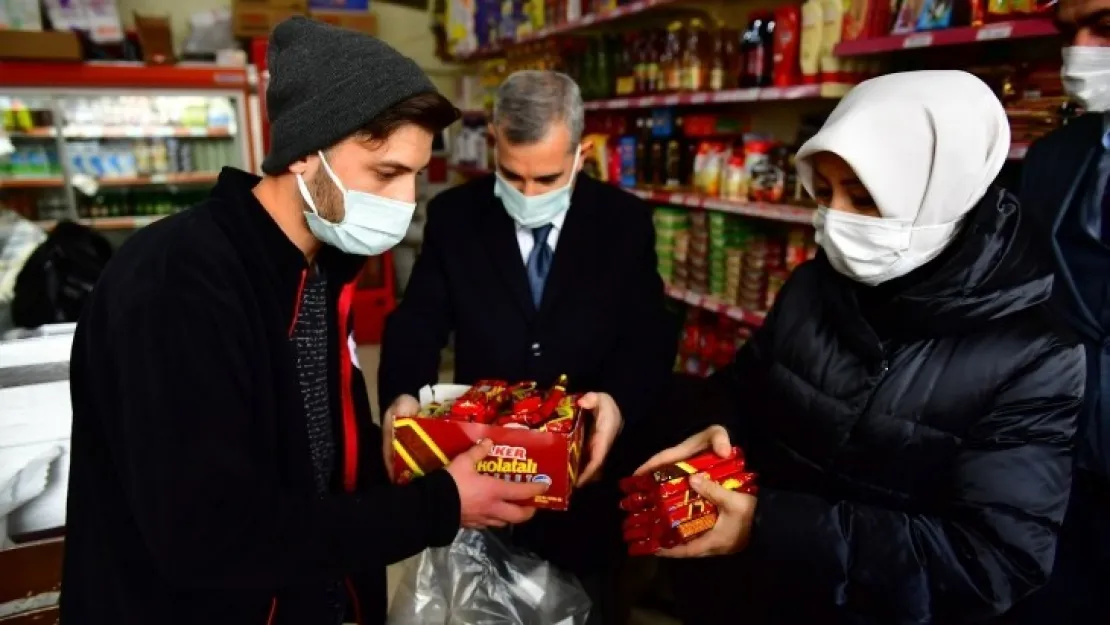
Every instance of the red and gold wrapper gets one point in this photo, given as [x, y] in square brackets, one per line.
[701, 462]
[672, 536]
[532, 442]
[643, 500]
[482, 403]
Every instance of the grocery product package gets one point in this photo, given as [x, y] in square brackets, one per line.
[537, 434]
[478, 580]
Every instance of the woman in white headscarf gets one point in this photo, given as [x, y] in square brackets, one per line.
[907, 405]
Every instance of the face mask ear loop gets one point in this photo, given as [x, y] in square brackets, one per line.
[306, 195]
[331, 174]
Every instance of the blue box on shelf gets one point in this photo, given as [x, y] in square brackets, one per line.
[339, 5]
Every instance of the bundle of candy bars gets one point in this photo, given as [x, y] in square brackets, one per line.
[664, 512]
[521, 405]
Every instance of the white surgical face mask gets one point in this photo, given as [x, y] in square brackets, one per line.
[872, 250]
[533, 211]
[371, 224]
[1086, 76]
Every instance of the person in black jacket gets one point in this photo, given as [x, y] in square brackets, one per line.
[539, 271]
[225, 468]
[1065, 186]
[908, 405]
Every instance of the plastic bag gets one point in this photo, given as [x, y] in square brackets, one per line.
[478, 580]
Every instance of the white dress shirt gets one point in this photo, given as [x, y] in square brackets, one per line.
[526, 241]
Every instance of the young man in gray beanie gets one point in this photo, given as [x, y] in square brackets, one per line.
[225, 468]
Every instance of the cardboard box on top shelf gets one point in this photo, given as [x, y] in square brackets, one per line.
[256, 18]
[362, 21]
[25, 45]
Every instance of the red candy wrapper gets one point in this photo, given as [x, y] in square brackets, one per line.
[673, 537]
[643, 500]
[481, 403]
[686, 468]
[665, 512]
[538, 436]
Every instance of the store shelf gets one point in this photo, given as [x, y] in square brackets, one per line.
[108, 223]
[138, 181]
[762, 210]
[798, 92]
[138, 132]
[587, 21]
[712, 304]
[47, 182]
[33, 133]
[124, 75]
[1018, 29]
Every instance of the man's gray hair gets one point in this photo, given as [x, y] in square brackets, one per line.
[530, 101]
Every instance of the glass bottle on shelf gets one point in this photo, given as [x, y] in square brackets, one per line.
[694, 65]
[671, 60]
[652, 51]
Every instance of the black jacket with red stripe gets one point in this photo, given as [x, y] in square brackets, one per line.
[191, 496]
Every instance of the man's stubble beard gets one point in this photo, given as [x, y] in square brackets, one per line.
[327, 197]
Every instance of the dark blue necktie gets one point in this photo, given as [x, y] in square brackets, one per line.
[539, 263]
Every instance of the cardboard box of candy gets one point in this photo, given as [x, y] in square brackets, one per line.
[664, 512]
[536, 434]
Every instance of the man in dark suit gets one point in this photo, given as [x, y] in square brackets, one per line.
[539, 271]
[1065, 189]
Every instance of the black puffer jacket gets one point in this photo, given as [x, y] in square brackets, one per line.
[915, 451]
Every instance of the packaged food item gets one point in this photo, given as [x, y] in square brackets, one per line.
[661, 491]
[537, 435]
[787, 41]
[757, 44]
[809, 53]
[678, 470]
[481, 403]
[832, 11]
[935, 15]
[665, 512]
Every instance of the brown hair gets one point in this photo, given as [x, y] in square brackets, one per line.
[430, 110]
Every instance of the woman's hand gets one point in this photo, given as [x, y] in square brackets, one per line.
[734, 522]
[735, 510]
[714, 436]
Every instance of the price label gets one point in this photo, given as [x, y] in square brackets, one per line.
[588, 19]
[699, 98]
[735, 312]
[670, 100]
[770, 93]
[198, 132]
[159, 178]
[133, 132]
[163, 131]
[677, 198]
[918, 40]
[692, 298]
[994, 31]
[646, 101]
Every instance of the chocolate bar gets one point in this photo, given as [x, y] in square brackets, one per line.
[643, 500]
[481, 402]
[420, 456]
[698, 463]
[673, 537]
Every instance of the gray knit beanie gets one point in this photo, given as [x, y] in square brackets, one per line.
[327, 82]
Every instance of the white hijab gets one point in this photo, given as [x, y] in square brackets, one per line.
[927, 145]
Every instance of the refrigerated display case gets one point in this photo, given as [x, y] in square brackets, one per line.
[120, 145]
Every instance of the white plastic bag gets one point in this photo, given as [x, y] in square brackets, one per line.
[478, 580]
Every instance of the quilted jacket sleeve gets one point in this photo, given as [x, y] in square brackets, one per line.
[966, 558]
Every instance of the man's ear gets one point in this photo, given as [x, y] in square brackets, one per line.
[304, 165]
[587, 149]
